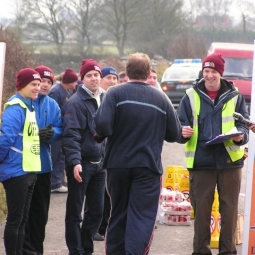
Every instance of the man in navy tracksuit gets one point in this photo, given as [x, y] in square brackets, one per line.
[85, 176]
[136, 118]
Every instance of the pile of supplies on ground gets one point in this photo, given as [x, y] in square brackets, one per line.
[173, 209]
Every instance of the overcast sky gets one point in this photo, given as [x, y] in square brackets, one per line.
[7, 9]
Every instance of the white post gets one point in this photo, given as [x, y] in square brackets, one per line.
[2, 62]
[248, 247]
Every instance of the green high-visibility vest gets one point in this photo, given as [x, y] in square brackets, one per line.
[228, 122]
[31, 161]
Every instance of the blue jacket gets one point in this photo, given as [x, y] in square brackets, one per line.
[136, 118]
[13, 120]
[47, 112]
[78, 130]
[210, 125]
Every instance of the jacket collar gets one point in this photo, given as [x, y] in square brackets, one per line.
[86, 94]
[224, 86]
[227, 91]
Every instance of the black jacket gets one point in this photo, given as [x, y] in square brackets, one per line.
[136, 118]
[78, 130]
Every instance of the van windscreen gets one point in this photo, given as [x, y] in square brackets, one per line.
[238, 67]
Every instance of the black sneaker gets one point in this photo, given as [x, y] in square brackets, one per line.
[98, 237]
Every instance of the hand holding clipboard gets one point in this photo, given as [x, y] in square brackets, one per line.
[224, 137]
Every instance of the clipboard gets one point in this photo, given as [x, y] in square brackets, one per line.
[222, 138]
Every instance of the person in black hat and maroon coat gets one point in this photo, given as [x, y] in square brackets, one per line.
[206, 111]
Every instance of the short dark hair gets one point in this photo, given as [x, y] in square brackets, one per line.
[122, 74]
[138, 66]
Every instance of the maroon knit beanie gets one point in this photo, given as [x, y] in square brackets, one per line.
[69, 76]
[45, 72]
[89, 65]
[214, 61]
[25, 76]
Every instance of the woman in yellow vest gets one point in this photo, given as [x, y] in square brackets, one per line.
[205, 112]
[19, 157]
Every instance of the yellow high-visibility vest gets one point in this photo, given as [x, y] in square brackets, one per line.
[31, 161]
[228, 122]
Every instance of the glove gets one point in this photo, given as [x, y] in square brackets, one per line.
[97, 138]
[46, 133]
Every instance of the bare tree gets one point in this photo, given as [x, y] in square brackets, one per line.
[187, 44]
[213, 14]
[83, 14]
[117, 18]
[17, 57]
[246, 11]
[161, 22]
[46, 22]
